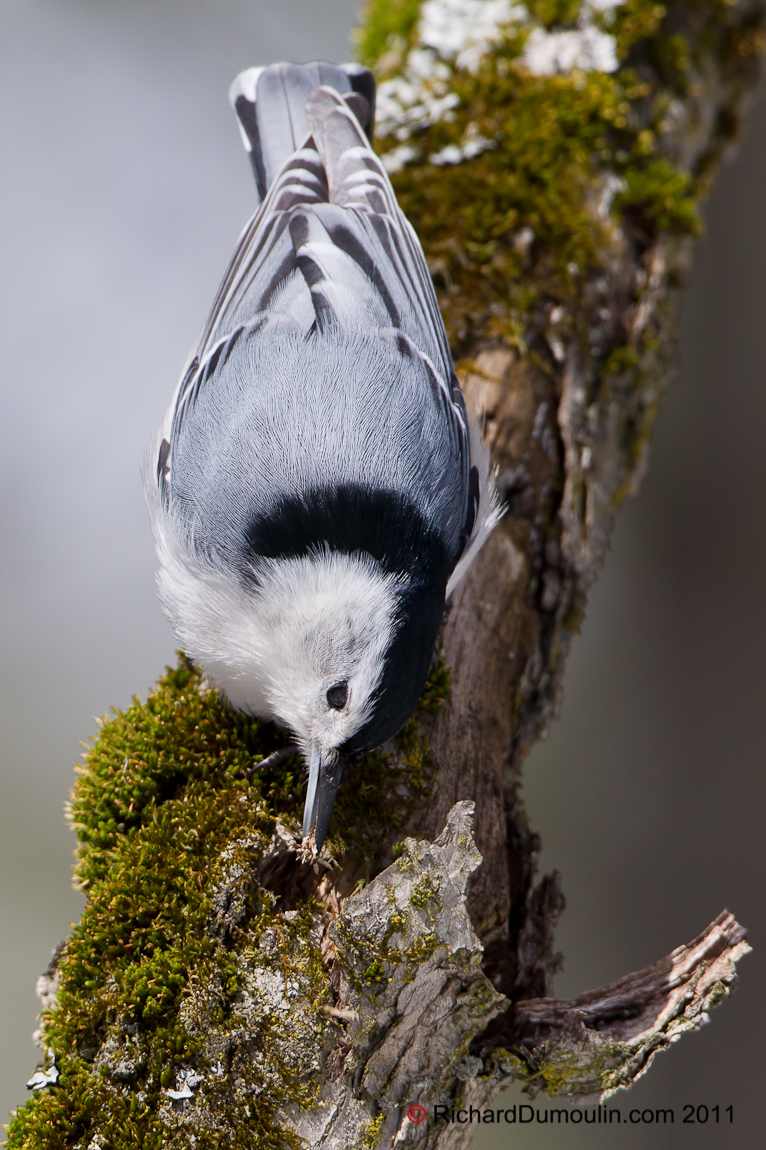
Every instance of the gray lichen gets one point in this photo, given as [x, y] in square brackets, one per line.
[409, 977]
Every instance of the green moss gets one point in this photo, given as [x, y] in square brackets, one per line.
[425, 893]
[568, 1074]
[419, 951]
[375, 972]
[557, 138]
[579, 163]
[555, 13]
[167, 819]
[717, 995]
[385, 23]
[663, 195]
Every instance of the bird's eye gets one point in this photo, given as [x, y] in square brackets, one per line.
[337, 696]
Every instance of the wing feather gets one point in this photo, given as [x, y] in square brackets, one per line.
[330, 244]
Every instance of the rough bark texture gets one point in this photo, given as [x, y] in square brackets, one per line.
[219, 992]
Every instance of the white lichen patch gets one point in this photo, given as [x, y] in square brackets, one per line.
[121, 1055]
[47, 988]
[464, 30]
[472, 144]
[187, 1081]
[271, 1022]
[396, 159]
[42, 1078]
[275, 993]
[456, 35]
[417, 100]
[611, 186]
[451, 34]
[586, 47]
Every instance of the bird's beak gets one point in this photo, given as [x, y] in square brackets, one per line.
[325, 774]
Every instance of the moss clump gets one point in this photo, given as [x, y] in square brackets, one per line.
[554, 140]
[180, 948]
[578, 169]
[425, 893]
[385, 24]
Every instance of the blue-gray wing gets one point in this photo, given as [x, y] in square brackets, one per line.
[328, 245]
[328, 262]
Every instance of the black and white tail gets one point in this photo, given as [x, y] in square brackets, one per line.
[270, 103]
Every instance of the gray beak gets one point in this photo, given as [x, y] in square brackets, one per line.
[325, 774]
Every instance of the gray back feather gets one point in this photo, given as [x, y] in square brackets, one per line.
[280, 108]
[324, 359]
[286, 416]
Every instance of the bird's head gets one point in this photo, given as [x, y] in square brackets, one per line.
[347, 653]
[329, 643]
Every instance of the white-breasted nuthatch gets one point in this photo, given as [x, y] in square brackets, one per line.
[316, 490]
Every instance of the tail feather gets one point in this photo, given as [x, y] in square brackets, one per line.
[270, 103]
[242, 100]
[340, 143]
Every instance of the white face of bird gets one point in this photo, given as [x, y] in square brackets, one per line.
[325, 623]
[303, 644]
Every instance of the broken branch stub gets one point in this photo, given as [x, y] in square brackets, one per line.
[601, 1042]
[408, 966]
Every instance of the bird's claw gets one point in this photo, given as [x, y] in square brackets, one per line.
[274, 759]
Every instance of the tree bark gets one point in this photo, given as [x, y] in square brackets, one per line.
[557, 210]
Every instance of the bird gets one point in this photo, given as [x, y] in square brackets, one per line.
[317, 489]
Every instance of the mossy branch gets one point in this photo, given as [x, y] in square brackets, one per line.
[220, 992]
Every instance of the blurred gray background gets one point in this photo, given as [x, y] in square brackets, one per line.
[124, 188]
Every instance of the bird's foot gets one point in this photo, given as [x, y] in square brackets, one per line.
[274, 759]
[307, 851]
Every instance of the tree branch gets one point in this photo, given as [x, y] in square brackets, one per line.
[604, 1040]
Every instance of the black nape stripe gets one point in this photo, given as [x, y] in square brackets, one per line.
[352, 518]
[245, 109]
[406, 664]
